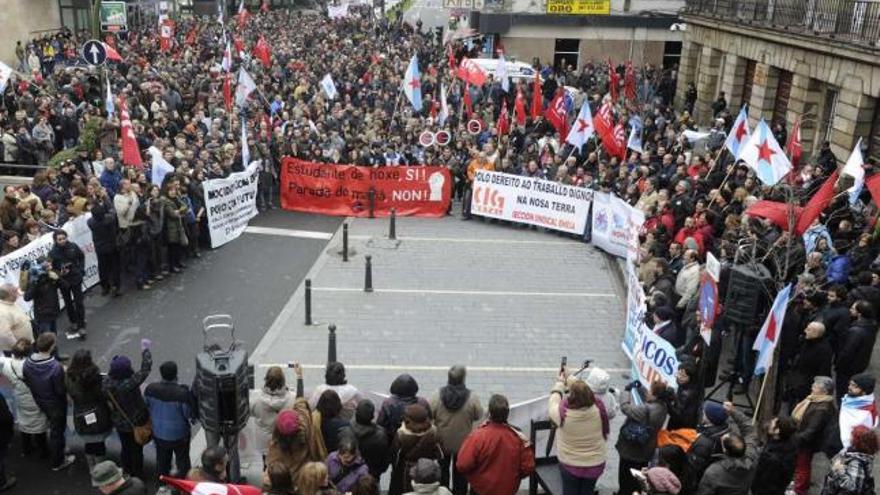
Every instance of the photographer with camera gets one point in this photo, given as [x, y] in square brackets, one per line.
[69, 261]
[40, 284]
[14, 323]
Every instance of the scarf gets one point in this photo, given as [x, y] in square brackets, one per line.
[798, 413]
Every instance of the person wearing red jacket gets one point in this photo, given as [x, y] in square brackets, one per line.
[496, 456]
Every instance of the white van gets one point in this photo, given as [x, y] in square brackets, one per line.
[515, 70]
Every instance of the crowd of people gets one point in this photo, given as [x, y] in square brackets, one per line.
[695, 198]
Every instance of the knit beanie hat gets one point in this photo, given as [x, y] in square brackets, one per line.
[663, 480]
[120, 367]
[715, 413]
[287, 422]
[865, 382]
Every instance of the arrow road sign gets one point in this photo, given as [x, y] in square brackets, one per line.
[94, 53]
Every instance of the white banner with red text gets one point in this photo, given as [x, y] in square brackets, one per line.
[531, 201]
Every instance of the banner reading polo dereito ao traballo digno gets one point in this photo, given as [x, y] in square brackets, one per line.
[230, 203]
[532, 201]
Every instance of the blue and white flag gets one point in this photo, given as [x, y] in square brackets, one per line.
[635, 134]
[245, 150]
[5, 74]
[739, 133]
[856, 411]
[767, 338]
[855, 169]
[160, 167]
[329, 87]
[412, 84]
[108, 101]
[444, 107]
[763, 154]
[501, 74]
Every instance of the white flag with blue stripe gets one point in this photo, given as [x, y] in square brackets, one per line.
[412, 84]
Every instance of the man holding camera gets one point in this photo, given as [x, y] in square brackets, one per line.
[70, 262]
[40, 285]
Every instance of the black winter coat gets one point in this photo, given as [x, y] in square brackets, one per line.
[126, 393]
[836, 319]
[44, 293]
[814, 359]
[70, 258]
[775, 468]
[104, 226]
[684, 412]
[700, 455]
[373, 445]
[89, 398]
[856, 345]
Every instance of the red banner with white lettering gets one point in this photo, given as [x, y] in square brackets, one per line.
[333, 189]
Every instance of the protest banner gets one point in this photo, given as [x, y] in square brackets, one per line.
[230, 203]
[531, 201]
[616, 225]
[655, 359]
[77, 231]
[635, 311]
[333, 189]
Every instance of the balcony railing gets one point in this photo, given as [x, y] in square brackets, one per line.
[851, 21]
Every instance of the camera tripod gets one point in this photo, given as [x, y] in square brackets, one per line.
[738, 375]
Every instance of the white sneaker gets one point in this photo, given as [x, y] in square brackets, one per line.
[68, 461]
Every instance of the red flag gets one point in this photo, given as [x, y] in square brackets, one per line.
[557, 113]
[873, 185]
[604, 120]
[227, 91]
[263, 52]
[629, 82]
[239, 45]
[620, 141]
[112, 54]
[450, 57]
[816, 204]
[264, 7]
[191, 36]
[166, 35]
[775, 211]
[131, 154]
[503, 123]
[469, 71]
[537, 98]
[519, 108]
[243, 15]
[206, 488]
[613, 81]
[793, 147]
[468, 104]
[110, 40]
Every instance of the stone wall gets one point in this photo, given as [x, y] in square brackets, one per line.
[714, 56]
[19, 18]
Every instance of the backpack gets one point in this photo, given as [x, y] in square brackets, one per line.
[838, 269]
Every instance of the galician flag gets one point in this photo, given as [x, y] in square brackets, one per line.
[501, 74]
[764, 155]
[444, 107]
[246, 86]
[5, 74]
[160, 167]
[739, 133]
[767, 338]
[108, 101]
[329, 87]
[412, 84]
[856, 411]
[635, 134]
[582, 129]
[206, 488]
[854, 168]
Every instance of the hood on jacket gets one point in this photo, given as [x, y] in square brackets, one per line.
[454, 397]
[42, 364]
[363, 431]
[273, 399]
[598, 380]
[426, 487]
[404, 386]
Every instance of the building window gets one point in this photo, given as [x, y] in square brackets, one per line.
[783, 92]
[671, 54]
[874, 140]
[566, 52]
[826, 120]
[749, 80]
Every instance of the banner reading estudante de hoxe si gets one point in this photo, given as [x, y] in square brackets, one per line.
[532, 201]
[333, 189]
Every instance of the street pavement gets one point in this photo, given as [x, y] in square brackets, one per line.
[506, 302]
[250, 278]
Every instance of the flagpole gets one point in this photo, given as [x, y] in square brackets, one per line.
[761, 395]
[396, 106]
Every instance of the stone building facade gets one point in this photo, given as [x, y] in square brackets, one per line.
[787, 61]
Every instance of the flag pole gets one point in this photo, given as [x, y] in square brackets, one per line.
[396, 106]
[760, 396]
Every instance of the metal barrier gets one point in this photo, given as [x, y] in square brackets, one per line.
[853, 21]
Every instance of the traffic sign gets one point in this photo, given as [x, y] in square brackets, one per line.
[94, 53]
[708, 301]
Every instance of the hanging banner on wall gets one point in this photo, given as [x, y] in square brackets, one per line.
[333, 189]
[616, 225]
[531, 201]
[230, 203]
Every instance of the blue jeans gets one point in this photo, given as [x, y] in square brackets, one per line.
[572, 485]
[43, 326]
